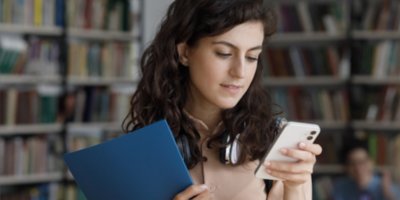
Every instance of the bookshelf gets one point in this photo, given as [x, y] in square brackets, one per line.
[29, 29]
[39, 70]
[30, 179]
[283, 39]
[308, 67]
[316, 81]
[29, 80]
[30, 129]
[365, 70]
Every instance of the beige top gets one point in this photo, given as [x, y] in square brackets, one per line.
[226, 182]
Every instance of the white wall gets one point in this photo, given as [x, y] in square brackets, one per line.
[154, 11]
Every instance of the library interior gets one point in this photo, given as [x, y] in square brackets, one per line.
[68, 69]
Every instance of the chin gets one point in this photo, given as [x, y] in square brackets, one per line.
[227, 104]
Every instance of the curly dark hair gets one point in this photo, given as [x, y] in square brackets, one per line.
[162, 91]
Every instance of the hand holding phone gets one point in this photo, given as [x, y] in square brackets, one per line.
[290, 135]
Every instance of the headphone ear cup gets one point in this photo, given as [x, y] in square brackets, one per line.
[230, 154]
[235, 150]
[224, 153]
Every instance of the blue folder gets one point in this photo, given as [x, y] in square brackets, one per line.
[144, 164]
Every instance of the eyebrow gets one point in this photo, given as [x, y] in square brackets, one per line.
[235, 47]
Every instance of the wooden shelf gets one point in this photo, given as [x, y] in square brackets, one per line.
[27, 29]
[306, 81]
[306, 38]
[30, 179]
[376, 35]
[30, 129]
[332, 125]
[307, 1]
[370, 80]
[328, 169]
[375, 126]
[100, 34]
[339, 169]
[99, 81]
[108, 126]
[28, 79]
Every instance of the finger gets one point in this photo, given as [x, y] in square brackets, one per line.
[292, 177]
[290, 167]
[299, 154]
[191, 192]
[315, 149]
[203, 195]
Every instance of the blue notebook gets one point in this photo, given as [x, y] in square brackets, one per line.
[144, 164]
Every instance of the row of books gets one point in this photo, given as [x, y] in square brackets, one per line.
[12, 54]
[308, 17]
[49, 191]
[98, 104]
[100, 14]
[302, 62]
[43, 57]
[378, 60]
[30, 155]
[313, 104]
[82, 137]
[378, 15]
[34, 13]
[29, 105]
[377, 103]
[36, 56]
[111, 59]
[383, 148]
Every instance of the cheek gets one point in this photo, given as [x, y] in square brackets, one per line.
[207, 72]
[251, 74]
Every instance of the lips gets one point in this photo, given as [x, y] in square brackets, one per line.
[232, 88]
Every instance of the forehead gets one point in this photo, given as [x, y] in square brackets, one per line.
[358, 153]
[246, 35]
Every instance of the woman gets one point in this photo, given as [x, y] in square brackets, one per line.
[362, 180]
[201, 73]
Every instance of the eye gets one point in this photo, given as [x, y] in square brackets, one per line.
[252, 59]
[223, 55]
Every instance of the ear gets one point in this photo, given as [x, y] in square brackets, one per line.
[183, 51]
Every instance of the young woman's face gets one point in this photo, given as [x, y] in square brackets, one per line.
[222, 67]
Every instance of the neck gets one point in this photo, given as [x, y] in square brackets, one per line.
[210, 116]
[362, 180]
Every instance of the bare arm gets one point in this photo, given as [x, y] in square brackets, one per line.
[297, 182]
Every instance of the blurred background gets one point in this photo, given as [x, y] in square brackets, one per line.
[68, 68]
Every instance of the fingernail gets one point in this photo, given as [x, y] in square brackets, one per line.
[269, 171]
[267, 164]
[284, 151]
[302, 145]
[204, 187]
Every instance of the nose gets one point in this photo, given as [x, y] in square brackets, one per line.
[237, 69]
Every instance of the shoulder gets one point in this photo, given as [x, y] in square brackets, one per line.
[344, 188]
[344, 183]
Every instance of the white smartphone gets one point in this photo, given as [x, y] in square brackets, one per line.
[290, 135]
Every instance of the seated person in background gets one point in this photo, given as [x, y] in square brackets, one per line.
[363, 182]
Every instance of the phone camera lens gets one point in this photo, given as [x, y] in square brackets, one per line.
[313, 132]
[309, 137]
